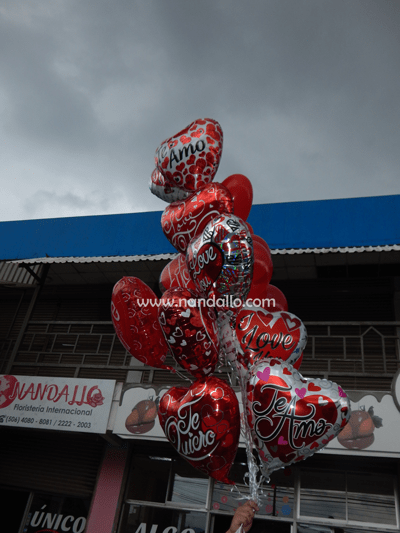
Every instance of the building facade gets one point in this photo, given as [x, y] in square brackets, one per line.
[69, 459]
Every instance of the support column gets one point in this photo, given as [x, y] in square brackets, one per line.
[103, 513]
[27, 318]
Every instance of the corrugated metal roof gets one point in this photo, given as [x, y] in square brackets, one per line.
[99, 259]
[169, 256]
[288, 264]
[345, 250]
[13, 275]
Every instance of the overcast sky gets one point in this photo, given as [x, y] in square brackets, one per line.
[307, 93]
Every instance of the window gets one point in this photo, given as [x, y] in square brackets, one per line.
[329, 494]
[167, 495]
[354, 498]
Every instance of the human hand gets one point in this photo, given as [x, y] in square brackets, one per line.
[243, 516]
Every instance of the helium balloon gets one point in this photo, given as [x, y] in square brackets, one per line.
[263, 267]
[259, 239]
[164, 190]
[277, 300]
[202, 423]
[176, 274]
[190, 329]
[242, 193]
[269, 298]
[262, 334]
[190, 159]
[292, 417]
[135, 321]
[184, 220]
[220, 261]
[248, 226]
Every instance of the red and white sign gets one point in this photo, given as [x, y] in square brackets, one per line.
[64, 404]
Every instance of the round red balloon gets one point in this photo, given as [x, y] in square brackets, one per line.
[202, 422]
[242, 193]
[276, 299]
[135, 321]
[268, 297]
[249, 227]
[263, 266]
[257, 238]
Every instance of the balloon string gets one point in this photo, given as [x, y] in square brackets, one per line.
[230, 347]
[183, 376]
[254, 485]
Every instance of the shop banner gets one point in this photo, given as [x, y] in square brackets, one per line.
[64, 404]
[373, 429]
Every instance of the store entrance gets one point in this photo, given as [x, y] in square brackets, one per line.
[31, 512]
[13, 508]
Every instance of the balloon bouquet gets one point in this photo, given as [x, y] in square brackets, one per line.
[216, 309]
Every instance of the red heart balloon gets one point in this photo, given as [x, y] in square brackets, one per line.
[176, 274]
[262, 334]
[291, 417]
[184, 220]
[242, 194]
[202, 422]
[190, 159]
[220, 261]
[164, 190]
[135, 318]
[191, 331]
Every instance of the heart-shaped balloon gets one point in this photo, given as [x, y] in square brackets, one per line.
[203, 424]
[176, 274]
[220, 261]
[191, 331]
[262, 334]
[184, 220]
[291, 417]
[164, 190]
[189, 160]
[135, 318]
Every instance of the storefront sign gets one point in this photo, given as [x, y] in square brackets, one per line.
[65, 404]
[373, 429]
[52, 514]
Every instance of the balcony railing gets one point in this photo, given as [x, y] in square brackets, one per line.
[358, 355]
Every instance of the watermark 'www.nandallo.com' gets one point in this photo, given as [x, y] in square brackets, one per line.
[228, 301]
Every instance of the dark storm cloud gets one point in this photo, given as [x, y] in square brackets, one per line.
[306, 92]
[42, 106]
[45, 201]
